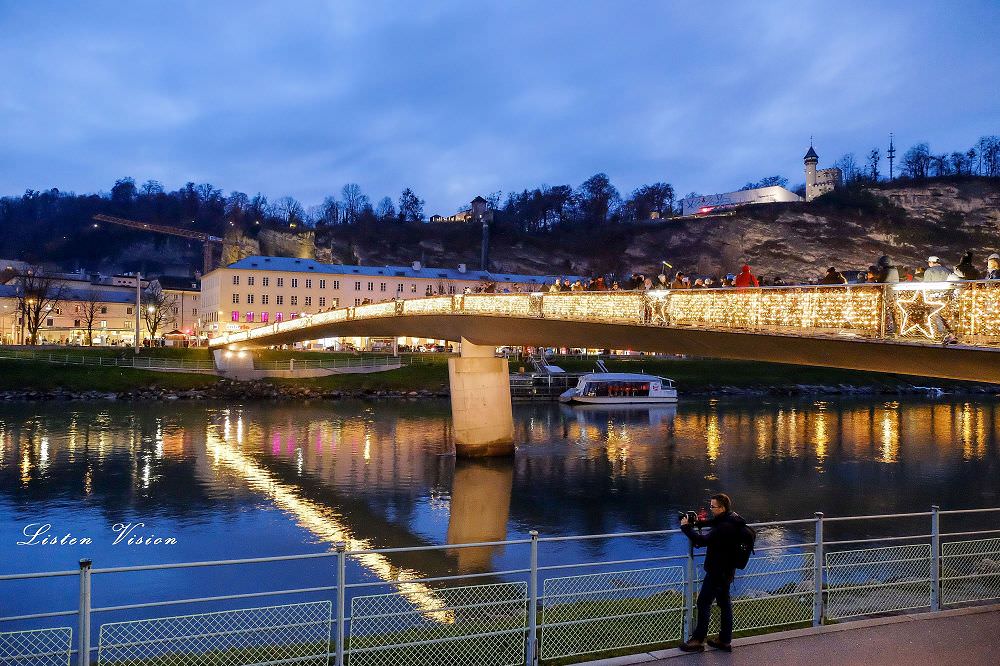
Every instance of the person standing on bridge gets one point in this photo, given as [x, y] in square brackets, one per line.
[993, 267]
[723, 543]
[746, 278]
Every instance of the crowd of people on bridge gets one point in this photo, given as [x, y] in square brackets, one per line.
[883, 271]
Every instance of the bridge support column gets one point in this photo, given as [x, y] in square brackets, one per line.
[480, 403]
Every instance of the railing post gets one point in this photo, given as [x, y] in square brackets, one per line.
[533, 601]
[83, 635]
[688, 593]
[818, 572]
[935, 558]
[341, 594]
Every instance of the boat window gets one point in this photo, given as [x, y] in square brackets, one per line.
[616, 389]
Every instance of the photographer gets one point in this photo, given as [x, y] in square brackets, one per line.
[723, 541]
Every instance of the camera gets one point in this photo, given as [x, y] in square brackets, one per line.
[692, 517]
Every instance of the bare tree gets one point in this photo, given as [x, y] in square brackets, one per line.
[848, 168]
[92, 304]
[158, 309]
[37, 296]
[871, 167]
[354, 202]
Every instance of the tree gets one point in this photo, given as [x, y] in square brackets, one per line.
[158, 308]
[940, 165]
[770, 181]
[385, 211]
[848, 168]
[151, 188]
[916, 161]
[91, 307]
[37, 296]
[656, 200]
[124, 191]
[989, 155]
[411, 207]
[290, 211]
[596, 198]
[871, 166]
[354, 202]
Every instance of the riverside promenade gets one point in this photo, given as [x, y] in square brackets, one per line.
[965, 636]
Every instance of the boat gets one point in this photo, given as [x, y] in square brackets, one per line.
[620, 388]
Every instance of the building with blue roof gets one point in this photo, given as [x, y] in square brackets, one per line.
[261, 290]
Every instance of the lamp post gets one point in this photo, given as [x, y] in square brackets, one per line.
[138, 304]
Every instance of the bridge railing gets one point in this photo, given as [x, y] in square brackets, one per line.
[557, 598]
[966, 312]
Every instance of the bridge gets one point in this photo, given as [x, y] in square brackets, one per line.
[947, 330]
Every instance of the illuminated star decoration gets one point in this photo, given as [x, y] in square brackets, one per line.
[917, 312]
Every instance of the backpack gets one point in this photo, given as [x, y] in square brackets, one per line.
[745, 538]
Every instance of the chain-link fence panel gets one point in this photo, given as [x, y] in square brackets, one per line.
[484, 625]
[36, 647]
[772, 591]
[878, 580]
[293, 634]
[608, 611]
[970, 570]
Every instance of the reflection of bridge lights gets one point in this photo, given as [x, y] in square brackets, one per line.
[25, 467]
[328, 526]
[713, 438]
[890, 433]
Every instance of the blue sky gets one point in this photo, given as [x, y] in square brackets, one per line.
[461, 98]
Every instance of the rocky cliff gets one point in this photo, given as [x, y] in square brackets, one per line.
[848, 229]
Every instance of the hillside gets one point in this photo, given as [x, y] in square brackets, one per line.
[848, 229]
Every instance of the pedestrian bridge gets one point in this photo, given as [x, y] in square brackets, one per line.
[889, 328]
[897, 328]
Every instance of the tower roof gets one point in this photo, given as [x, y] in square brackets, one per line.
[811, 155]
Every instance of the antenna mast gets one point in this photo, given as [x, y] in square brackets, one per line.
[891, 154]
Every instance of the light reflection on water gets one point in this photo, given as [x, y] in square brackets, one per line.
[298, 478]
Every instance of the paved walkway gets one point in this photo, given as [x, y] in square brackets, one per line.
[968, 636]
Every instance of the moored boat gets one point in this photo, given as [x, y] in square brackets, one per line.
[611, 388]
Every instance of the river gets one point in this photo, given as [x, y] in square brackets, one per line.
[263, 479]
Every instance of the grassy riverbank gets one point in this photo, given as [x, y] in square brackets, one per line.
[693, 376]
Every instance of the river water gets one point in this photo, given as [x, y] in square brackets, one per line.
[263, 479]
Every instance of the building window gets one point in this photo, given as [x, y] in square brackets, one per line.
[277, 316]
[77, 309]
[249, 299]
[236, 299]
[335, 303]
[371, 286]
[266, 281]
[357, 286]
[194, 311]
[250, 281]
[295, 300]
[413, 288]
[322, 284]
[309, 301]
[451, 289]
[128, 310]
[295, 283]
[104, 309]
[357, 302]
[175, 310]
[76, 323]
[236, 315]
[382, 287]
[236, 279]
[104, 324]
[399, 288]
[263, 317]
[322, 301]
[249, 317]
[279, 299]
[309, 283]
[281, 282]
[264, 298]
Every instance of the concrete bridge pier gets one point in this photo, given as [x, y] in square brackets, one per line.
[480, 403]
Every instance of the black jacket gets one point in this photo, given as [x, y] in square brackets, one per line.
[722, 540]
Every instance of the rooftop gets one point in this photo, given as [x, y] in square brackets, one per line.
[291, 264]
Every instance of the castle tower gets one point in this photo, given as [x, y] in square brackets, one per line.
[811, 159]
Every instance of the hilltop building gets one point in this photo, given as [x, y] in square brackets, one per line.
[819, 181]
[477, 211]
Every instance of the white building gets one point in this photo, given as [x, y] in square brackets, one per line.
[712, 203]
[819, 181]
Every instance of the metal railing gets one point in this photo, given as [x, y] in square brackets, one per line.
[333, 363]
[548, 609]
[966, 312]
[142, 362]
